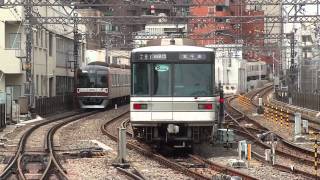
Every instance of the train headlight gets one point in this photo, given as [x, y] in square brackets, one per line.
[140, 106]
[205, 106]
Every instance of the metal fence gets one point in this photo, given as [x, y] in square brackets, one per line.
[2, 116]
[305, 100]
[50, 105]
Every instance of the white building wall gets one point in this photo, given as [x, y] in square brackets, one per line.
[119, 56]
[45, 67]
[156, 31]
[230, 67]
[2, 82]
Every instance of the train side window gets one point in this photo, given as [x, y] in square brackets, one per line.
[118, 79]
[113, 80]
[127, 79]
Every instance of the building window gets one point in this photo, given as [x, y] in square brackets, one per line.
[229, 62]
[219, 8]
[37, 85]
[64, 85]
[14, 41]
[306, 39]
[220, 19]
[114, 60]
[37, 38]
[50, 44]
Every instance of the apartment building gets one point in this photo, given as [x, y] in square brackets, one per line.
[158, 31]
[52, 52]
[221, 30]
[230, 67]
[120, 57]
[306, 57]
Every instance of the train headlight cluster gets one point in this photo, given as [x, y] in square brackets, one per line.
[140, 106]
[205, 106]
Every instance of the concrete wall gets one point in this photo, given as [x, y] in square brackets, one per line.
[2, 82]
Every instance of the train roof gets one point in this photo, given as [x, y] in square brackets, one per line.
[104, 64]
[172, 48]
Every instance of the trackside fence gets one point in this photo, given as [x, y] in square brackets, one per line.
[2, 116]
[305, 100]
[49, 105]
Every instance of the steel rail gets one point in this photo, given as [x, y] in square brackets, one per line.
[287, 143]
[130, 174]
[167, 162]
[221, 168]
[15, 165]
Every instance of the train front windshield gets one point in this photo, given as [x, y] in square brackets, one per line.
[92, 79]
[183, 79]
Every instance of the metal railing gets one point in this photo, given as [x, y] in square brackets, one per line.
[305, 100]
[49, 105]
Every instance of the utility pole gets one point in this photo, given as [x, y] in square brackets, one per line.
[76, 46]
[29, 88]
[292, 68]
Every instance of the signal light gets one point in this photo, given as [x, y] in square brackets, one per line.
[221, 100]
[140, 106]
[204, 106]
[152, 9]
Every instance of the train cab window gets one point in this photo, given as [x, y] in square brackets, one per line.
[101, 79]
[161, 79]
[193, 80]
[140, 79]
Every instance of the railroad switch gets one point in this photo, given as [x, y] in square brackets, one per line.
[91, 153]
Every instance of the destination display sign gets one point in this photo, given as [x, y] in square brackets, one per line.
[173, 56]
[153, 56]
[192, 56]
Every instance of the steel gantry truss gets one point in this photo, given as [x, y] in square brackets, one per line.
[176, 3]
[172, 19]
[31, 19]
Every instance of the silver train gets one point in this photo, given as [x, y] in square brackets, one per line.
[100, 84]
[172, 95]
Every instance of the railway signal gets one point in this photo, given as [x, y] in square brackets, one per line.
[221, 104]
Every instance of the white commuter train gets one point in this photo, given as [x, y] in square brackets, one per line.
[173, 99]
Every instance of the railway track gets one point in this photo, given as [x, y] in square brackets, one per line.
[37, 159]
[313, 125]
[193, 166]
[286, 149]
